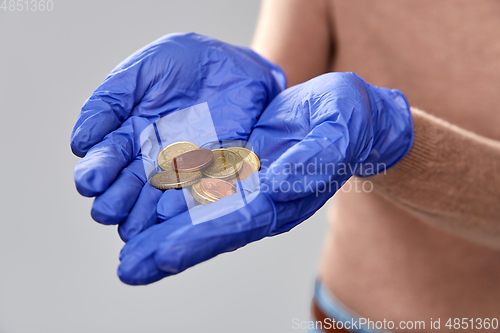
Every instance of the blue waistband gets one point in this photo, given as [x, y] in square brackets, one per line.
[334, 309]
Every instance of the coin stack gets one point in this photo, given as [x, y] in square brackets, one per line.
[210, 173]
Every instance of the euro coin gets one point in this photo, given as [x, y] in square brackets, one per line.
[166, 156]
[170, 179]
[193, 160]
[199, 196]
[225, 165]
[248, 156]
[246, 170]
[216, 189]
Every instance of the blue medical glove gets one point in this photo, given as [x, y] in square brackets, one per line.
[172, 73]
[311, 139]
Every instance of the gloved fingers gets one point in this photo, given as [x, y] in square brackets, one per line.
[178, 243]
[197, 243]
[137, 264]
[110, 104]
[113, 206]
[310, 165]
[171, 204]
[143, 215]
[98, 169]
[144, 273]
[151, 207]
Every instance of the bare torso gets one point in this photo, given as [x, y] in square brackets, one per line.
[445, 56]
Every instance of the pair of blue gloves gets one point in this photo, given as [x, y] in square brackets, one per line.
[335, 120]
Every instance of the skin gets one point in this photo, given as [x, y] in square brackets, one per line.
[379, 259]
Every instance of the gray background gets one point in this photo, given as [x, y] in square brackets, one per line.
[57, 266]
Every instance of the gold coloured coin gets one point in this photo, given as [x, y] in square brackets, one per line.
[246, 170]
[226, 164]
[199, 196]
[170, 179]
[248, 156]
[166, 156]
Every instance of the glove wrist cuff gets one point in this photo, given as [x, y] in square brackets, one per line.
[392, 127]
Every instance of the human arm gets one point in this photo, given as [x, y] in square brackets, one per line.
[437, 180]
[450, 178]
[296, 35]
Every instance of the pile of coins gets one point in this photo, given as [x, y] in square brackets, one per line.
[210, 173]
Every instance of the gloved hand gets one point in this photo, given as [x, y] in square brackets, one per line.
[311, 139]
[172, 73]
